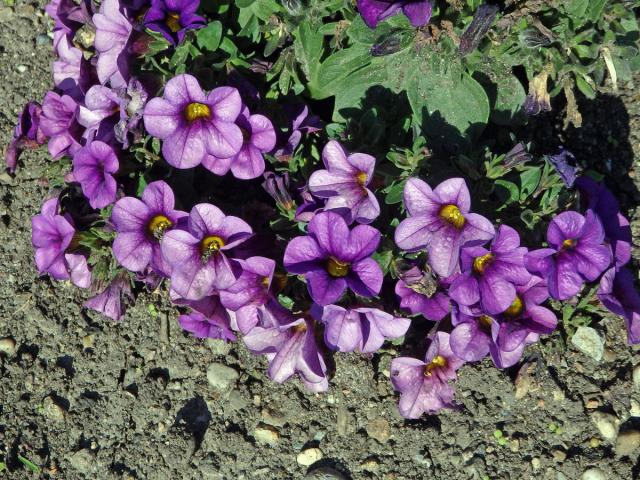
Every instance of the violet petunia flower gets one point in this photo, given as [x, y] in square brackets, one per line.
[375, 11]
[215, 323]
[420, 292]
[619, 295]
[140, 224]
[54, 240]
[332, 258]
[424, 385]
[564, 162]
[277, 186]
[576, 254]
[132, 103]
[112, 301]
[100, 112]
[93, 167]
[197, 257]
[504, 336]
[360, 329]
[26, 135]
[172, 18]
[193, 125]
[299, 122]
[439, 220]
[258, 136]
[59, 122]
[113, 29]
[490, 276]
[71, 74]
[344, 183]
[290, 345]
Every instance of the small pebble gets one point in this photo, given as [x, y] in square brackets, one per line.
[636, 378]
[559, 455]
[43, 39]
[52, 410]
[21, 68]
[535, 463]
[606, 424]
[370, 465]
[221, 377]
[324, 473]
[309, 456]
[379, 430]
[266, 434]
[594, 474]
[627, 443]
[88, 341]
[8, 346]
[588, 341]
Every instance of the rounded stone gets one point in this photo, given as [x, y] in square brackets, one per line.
[221, 377]
[324, 473]
[636, 378]
[627, 443]
[7, 346]
[588, 341]
[266, 435]
[607, 424]
[309, 456]
[594, 474]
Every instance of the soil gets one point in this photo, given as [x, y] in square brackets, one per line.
[82, 397]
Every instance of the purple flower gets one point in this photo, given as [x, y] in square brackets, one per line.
[344, 183]
[424, 386]
[172, 18]
[193, 125]
[309, 207]
[68, 15]
[291, 348]
[132, 103]
[577, 254]
[374, 11]
[618, 294]
[93, 167]
[141, 224]
[27, 134]
[564, 164]
[258, 137]
[100, 112]
[70, 70]
[214, 323]
[490, 276]
[58, 121]
[112, 301]
[420, 292]
[54, 239]
[198, 257]
[439, 220]
[332, 258]
[504, 336]
[361, 329]
[277, 186]
[299, 122]
[112, 34]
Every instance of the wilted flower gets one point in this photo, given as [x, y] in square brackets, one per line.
[141, 224]
[332, 258]
[112, 301]
[564, 163]
[172, 18]
[58, 121]
[490, 276]
[420, 292]
[577, 254]
[478, 28]
[424, 385]
[132, 102]
[198, 256]
[27, 134]
[362, 329]
[193, 125]
[344, 183]
[112, 34]
[538, 99]
[374, 11]
[93, 167]
[277, 186]
[439, 220]
[518, 155]
[619, 295]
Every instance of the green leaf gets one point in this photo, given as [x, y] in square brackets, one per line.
[308, 48]
[506, 95]
[577, 10]
[596, 7]
[336, 68]
[244, 3]
[208, 38]
[394, 192]
[585, 88]
[29, 464]
[507, 192]
[529, 181]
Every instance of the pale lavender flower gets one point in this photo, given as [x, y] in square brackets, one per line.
[112, 301]
[93, 167]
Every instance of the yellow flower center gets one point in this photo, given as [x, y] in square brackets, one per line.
[265, 282]
[515, 309]
[480, 264]
[173, 22]
[569, 243]
[195, 111]
[361, 178]
[336, 268]
[210, 245]
[158, 225]
[438, 362]
[452, 215]
[485, 323]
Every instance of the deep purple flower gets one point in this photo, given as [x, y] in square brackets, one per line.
[490, 276]
[54, 240]
[299, 122]
[93, 167]
[70, 74]
[215, 323]
[309, 207]
[113, 29]
[193, 125]
[362, 329]
[290, 345]
[172, 18]
[576, 254]
[478, 28]
[439, 220]
[68, 15]
[374, 11]
[422, 293]
[27, 134]
[58, 121]
[504, 336]
[564, 164]
[332, 258]
[277, 186]
[619, 295]
[112, 301]
[100, 112]
[198, 256]
[424, 385]
[344, 183]
[141, 224]
[259, 137]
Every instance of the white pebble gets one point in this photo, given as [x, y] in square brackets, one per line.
[594, 474]
[309, 456]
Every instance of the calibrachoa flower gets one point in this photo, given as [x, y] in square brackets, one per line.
[332, 258]
[619, 295]
[439, 220]
[374, 11]
[259, 137]
[172, 18]
[100, 112]
[344, 183]
[490, 276]
[577, 254]
[504, 336]
[93, 167]
[424, 385]
[54, 239]
[112, 34]
[27, 134]
[58, 121]
[421, 293]
[112, 301]
[299, 122]
[215, 323]
[192, 124]
[362, 329]
[197, 257]
[564, 163]
[141, 224]
[132, 103]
